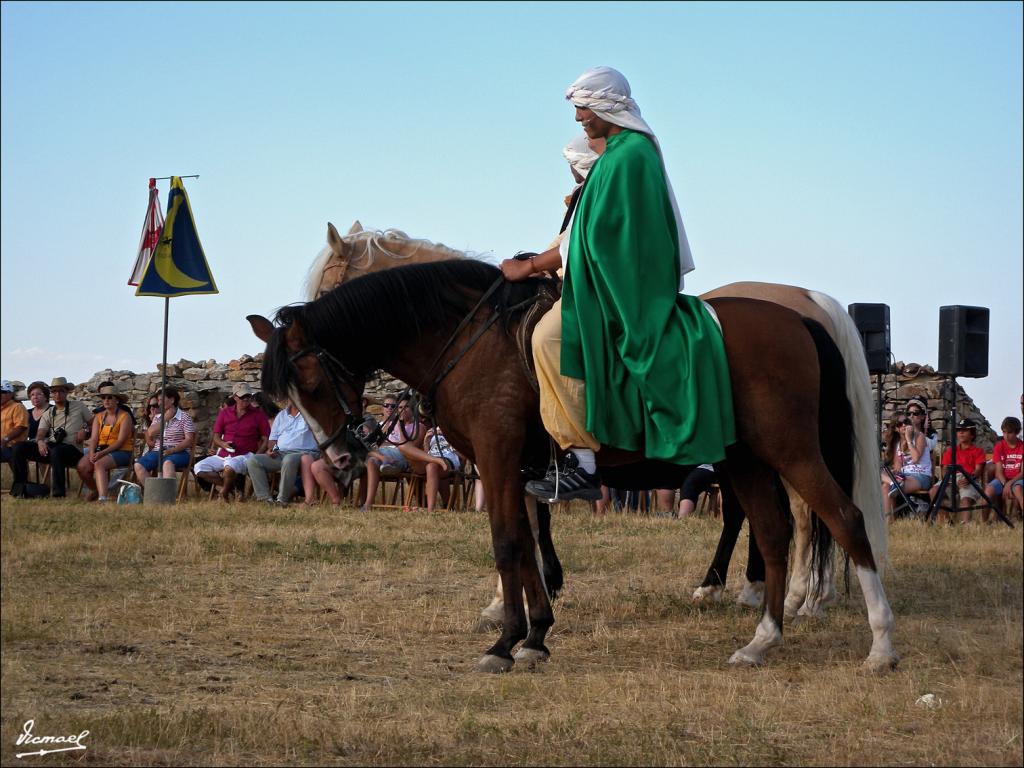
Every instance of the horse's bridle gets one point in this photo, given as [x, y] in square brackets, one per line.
[332, 366]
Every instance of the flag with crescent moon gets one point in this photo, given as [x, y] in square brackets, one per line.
[178, 266]
[151, 229]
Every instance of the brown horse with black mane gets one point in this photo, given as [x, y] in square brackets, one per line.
[362, 252]
[785, 371]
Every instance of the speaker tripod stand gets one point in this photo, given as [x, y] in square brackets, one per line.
[949, 476]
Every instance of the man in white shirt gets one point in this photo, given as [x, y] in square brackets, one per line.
[290, 440]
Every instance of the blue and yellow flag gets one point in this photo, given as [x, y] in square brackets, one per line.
[178, 267]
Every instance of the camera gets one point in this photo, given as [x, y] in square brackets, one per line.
[59, 434]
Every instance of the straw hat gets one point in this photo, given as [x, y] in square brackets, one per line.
[61, 383]
[111, 390]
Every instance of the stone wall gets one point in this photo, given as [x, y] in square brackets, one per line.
[205, 385]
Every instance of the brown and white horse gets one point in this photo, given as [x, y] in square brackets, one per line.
[362, 252]
[786, 373]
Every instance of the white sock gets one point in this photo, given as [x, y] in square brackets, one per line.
[586, 459]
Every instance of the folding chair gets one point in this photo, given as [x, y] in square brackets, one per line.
[185, 474]
[397, 479]
[415, 491]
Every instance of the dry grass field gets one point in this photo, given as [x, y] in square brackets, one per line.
[209, 634]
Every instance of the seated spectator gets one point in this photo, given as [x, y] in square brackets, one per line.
[407, 431]
[290, 441]
[698, 481]
[911, 460]
[178, 438]
[39, 396]
[238, 433]
[1006, 460]
[60, 438]
[13, 421]
[931, 437]
[971, 459]
[152, 410]
[439, 473]
[111, 443]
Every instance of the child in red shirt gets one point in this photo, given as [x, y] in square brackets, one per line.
[971, 459]
[1006, 456]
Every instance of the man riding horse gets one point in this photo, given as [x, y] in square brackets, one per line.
[623, 359]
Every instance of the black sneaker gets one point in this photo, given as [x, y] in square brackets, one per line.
[573, 483]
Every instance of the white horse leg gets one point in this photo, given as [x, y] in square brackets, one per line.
[819, 599]
[767, 636]
[798, 581]
[751, 595]
[712, 594]
[883, 656]
[495, 611]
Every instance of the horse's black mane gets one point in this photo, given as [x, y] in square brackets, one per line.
[360, 321]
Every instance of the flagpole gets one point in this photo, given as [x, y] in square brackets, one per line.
[172, 263]
[163, 394]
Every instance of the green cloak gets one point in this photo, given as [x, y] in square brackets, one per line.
[653, 360]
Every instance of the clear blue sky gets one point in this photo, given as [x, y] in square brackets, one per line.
[871, 151]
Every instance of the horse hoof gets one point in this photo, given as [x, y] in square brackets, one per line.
[881, 664]
[494, 665]
[531, 657]
[485, 625]
[811, 611]
[752, 595]
[742, 659]
[708, 595]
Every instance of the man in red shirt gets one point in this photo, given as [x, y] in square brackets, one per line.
[240, 430]
[971, 459]
[1006, 458]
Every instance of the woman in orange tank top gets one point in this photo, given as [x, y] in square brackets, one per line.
[110, 445]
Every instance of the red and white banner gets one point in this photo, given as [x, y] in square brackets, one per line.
[151, 230]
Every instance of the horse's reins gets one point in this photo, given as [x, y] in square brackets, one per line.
[430, 394]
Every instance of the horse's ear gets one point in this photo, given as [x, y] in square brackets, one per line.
[336, 244]
[262, 327]
[356, 228]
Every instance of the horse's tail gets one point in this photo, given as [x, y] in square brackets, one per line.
[867, 490]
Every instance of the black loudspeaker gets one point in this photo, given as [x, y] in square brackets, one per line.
[963, 341]
[872, 320]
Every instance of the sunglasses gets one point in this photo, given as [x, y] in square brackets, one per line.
[154, 405]
[915, 413]
[244, 397]
[389, 406]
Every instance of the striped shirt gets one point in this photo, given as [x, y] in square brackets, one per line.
[176, 429]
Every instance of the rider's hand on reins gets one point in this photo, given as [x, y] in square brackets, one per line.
[515, 270]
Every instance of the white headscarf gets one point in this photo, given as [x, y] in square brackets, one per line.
[605, 91]
[579, 154]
